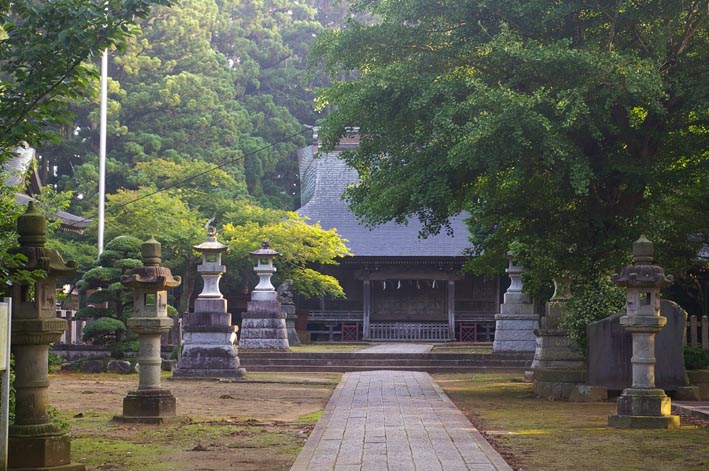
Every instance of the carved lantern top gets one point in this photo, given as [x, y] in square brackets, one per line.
[151, 275]
[32, 230]
[642, 273]
[264, 251]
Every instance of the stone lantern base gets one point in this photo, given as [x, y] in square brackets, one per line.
[644, 408]
[263, 325]
[148, 406]
[48, 451]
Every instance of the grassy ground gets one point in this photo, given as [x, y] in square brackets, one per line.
[538, 435]
[255, 425]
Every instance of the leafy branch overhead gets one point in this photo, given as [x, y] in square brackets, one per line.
[565, 126]
[43, 49]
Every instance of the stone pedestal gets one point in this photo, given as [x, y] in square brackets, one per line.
[150, 403]
[291, 319]
[263, 325]
[557, 368]
[553, 346]
[209, 343]
[34, 442]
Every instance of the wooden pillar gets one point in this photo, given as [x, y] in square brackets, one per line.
[451, 309]
[366, 307]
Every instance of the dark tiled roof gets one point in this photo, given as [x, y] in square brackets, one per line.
[326, 177]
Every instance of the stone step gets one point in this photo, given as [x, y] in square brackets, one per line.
[345, 369]
[341, 362]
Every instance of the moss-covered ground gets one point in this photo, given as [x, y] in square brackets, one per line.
[539, 435]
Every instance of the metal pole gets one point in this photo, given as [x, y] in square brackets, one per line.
[102, 150]
[6, 311]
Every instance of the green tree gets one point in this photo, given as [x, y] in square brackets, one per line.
[43, 49]
[302, 248]
[108, 304]
[569, 127]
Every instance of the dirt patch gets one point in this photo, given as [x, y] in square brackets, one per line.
[260, 424]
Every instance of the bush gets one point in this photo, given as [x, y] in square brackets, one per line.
[695, 358]
[592, 301]
[121, 349]
[103, 330]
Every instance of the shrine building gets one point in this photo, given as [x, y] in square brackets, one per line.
[399, 287]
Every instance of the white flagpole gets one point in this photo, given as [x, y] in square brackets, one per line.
[102, 150]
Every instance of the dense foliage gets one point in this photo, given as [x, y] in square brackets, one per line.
[569, 127]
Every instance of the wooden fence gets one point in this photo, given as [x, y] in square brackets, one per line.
[409, 331]
[698, 332]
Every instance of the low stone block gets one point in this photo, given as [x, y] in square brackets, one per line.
[119, 367]
[585, 393]
[687, 393]
[92, 366]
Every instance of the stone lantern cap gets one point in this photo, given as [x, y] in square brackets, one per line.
[211, 244]
[151, 275]
[264, 251]
[642, 273]
[32, 230]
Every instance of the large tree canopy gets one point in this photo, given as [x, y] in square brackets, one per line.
[43, 49]
[563, 126]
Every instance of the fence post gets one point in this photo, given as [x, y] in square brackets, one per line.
[693, 341]
[705, 333]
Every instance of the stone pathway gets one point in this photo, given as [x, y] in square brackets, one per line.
[697, 409]
[394, 421]
[399, 348]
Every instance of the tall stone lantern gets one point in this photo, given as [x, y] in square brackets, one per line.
[263, 324]
[516, 321]
[643, 405]
[149, 403]
[210, 338]
[34, 441]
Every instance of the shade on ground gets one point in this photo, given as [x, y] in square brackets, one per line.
[394, 420]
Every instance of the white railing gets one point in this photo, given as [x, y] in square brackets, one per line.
[698, 332]
[74, 327]
[336, 316]
[408, 331]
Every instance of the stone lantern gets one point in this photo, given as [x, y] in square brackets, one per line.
[643, 405]
[516, 321]
[150, 403]
[264, 290]
[210, 338]
[263, 324]
[34, 441]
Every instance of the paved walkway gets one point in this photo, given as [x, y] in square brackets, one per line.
[394, 421]
[399, 348]
[697, 409]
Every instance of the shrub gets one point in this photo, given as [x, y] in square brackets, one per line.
[121, 349]
[103, 330]
[592, 301]
[695, 358]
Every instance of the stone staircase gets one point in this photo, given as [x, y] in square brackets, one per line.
[501, 362]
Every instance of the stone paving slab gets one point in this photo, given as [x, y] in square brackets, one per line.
[697, 409]
[394, 421]
[399, 348]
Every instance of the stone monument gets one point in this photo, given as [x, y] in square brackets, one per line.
[209, 337]
[610, 348]
[35, 442]
[516, 321]
[263, 324]
[149, 403]
[284, 295]
[643, 405]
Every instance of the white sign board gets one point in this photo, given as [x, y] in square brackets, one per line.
[5, 320]
[4, 336]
